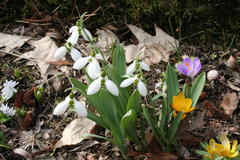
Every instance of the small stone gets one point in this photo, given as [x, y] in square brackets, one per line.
[212, 75]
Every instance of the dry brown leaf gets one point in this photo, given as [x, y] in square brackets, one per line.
[9, 41]
[231, 62]
[43, 55]
[232, 86]
[23, 153]
[73, 132]
[106, 39]
[230, 103]
[155, 48]
[197, 122]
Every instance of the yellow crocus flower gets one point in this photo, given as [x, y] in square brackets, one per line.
[182, 104]
[224, 149]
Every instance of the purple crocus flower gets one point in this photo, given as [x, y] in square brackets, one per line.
[189, 67]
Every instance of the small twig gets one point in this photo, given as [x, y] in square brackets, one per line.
[22, 21]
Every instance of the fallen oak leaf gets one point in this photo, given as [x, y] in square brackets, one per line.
[215, 112]
[74, 131]
[229, 103]
[154, 48]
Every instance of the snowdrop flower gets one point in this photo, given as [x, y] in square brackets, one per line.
[7, 110]
[62, 51]
[8, 89]
[142, 89]
[93, 68]
[102, 79]
[62, 107]
[136, 65]
[86, 35]
[74, 30]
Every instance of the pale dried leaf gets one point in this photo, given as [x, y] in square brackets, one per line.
[197, 122]
[9, 41]
[23, 153]
[229, 103]
[73, 132]
[43, 55]
[231, 62]
[106, 39]
[155, 48]
[231, 85]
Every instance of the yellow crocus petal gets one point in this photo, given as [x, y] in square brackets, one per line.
[225, 142]
[189, 110]
[183, 116]
[211, 148]
[234, 146]
[235, 154]
[188, 103]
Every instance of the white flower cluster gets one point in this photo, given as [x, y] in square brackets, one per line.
[137, 79]
[8, 89]
[62, 107]
[7, 110]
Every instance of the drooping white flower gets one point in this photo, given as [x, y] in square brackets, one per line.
[7, 110]
[62, 107]
[86, 34]
[75, 54]
[8, 89]
[61, 52]
[132, 67]
[80, 108]
[142, 89]
[95, 86]
[93, 68]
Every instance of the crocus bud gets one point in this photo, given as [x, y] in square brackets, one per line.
[212, 75]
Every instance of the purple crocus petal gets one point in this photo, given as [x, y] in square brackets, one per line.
[183, 69]
[188, 62]
[197, 66]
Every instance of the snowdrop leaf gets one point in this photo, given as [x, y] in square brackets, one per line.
[119, 60]
[134, 101]
[93, 69]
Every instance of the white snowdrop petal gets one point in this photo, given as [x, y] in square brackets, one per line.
[144, 66]
[142, 89]
[61, 108]
[74, 37]
[80, 108]
[73, 28]
[80, 63]
[93, 69]
[99, 56]
[86, 35]
[111, 87]
[131, 68]
[94, 87]
[127, 82]
[61, 52]
[75, 54]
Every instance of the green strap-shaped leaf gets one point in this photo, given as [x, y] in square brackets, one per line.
[197, 87]
[134, 101]
[174, 127]
[119, 59]
[172, 84]
[129, 123]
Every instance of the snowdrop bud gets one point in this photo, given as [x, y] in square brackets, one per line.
[86, 35]
[80, 108]
[93, 69]
[111, 87]
[94, 87]
[212, 75]
[80, 63]
[73, 28]
[131, 68]
[75, 54]
[142, 89]
[61, 52]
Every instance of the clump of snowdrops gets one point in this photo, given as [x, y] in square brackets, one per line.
[120, 96]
